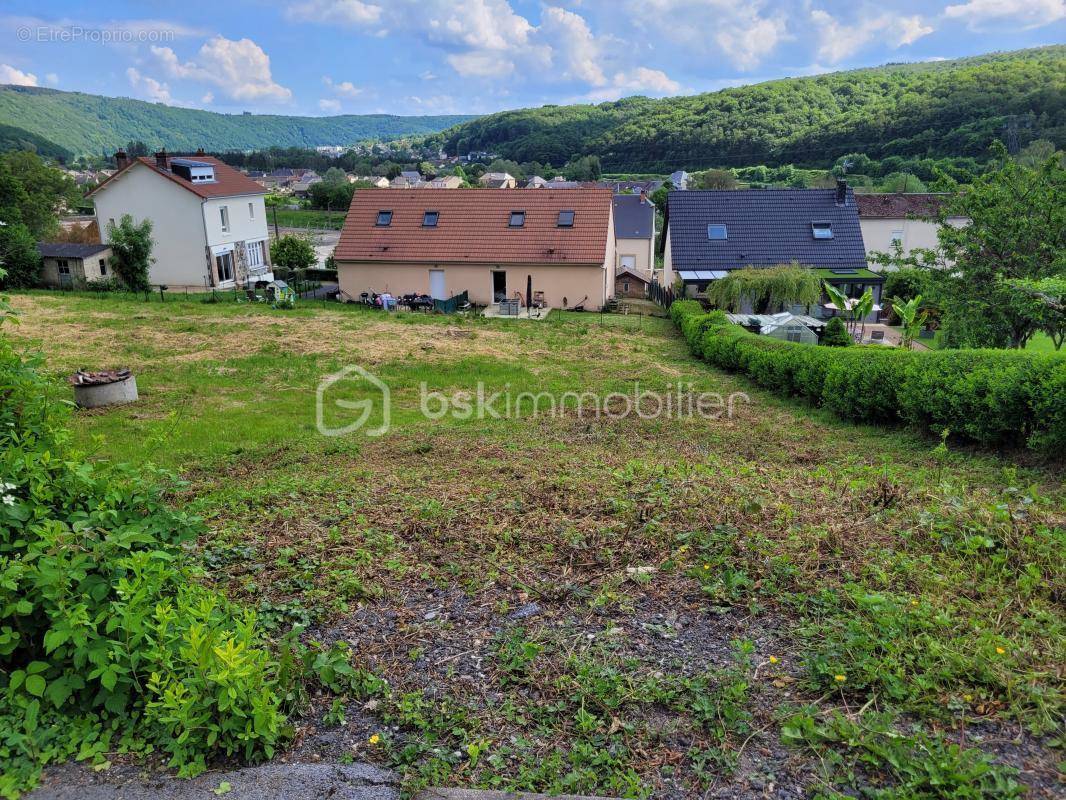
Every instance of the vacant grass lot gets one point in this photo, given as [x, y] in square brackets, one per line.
[773, 605]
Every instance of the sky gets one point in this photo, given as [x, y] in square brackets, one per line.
[326, 57]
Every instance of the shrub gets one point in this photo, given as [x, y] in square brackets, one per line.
[102, 626]
[988, 396]
[836, 334]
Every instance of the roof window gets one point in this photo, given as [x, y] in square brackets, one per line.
[429, 219]
[566, 219]
[518, 219]
[822, 230]
[717, 232]
[384, 219]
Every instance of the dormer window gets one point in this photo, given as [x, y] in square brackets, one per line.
[717, 232]
[384, 219]
[429, 219]
[566, 219]
[822, 230]
[518, 219]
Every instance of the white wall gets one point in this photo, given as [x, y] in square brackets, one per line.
[177, 223]
[242, 226]
[877, 234]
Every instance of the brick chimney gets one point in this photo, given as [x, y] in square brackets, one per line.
[161, 159]
[121, 159]
[200, 151]
[842, 192]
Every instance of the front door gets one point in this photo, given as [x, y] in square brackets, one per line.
[65, 278]
[499, 286]
[436, 284]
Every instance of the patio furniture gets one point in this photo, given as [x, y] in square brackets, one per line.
[509, 308]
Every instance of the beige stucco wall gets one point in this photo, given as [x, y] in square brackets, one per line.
[641, 249]
[668, 264]
[877, 234]
[556, 281]
[177, 223]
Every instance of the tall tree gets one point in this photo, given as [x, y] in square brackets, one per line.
[1017, 233]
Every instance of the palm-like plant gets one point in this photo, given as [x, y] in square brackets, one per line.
[911, 319]
[854, 310]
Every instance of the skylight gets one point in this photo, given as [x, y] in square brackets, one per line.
[384, 219]
[822, 230]
[518, 219]
[717, 232]
[566, 219]
[429, 219]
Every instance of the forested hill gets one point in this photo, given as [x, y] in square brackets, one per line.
[90, 124]
[946, 108]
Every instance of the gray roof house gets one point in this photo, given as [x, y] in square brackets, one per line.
[710, 233]
[679, 179]
[68, 264]
[634, 234]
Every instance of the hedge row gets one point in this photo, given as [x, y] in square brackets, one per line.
[989, 396]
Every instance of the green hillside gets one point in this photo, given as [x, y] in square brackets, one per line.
[12, 138]
[90, 124]
[947, 108]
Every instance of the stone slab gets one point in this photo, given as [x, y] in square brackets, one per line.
[267, 782]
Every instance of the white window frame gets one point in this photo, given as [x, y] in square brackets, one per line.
[223, 212]
[254, 254]
[219, 260]
[251, 211]
[896, 236]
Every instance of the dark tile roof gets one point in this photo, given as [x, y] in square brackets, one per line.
[765, 227]
[473, 226]
[898, 205]
[229, 182]
[69, 249]
[634, 217]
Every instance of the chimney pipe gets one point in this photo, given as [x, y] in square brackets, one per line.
[161, 159]
[842, 192]
[200, 151]
[121, 159]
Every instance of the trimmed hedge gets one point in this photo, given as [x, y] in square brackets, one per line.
[988, 396]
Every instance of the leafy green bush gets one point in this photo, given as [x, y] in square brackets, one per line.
[988, 396]
[836, 333]
[103, 628]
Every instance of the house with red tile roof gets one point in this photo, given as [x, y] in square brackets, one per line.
[486, 242]
[908, 219]
[209, 225]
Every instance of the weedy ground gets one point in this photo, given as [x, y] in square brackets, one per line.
[772, 605]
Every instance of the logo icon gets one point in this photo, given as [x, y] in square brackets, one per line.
[365, 408]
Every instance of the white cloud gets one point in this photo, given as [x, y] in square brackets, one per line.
[330, 105]
[9, 74]
[571, 39]
[149, 88]
[985, 15]
[640, 80]
[481, 64]
[837, 41]
[348, 12]
[343, 88]
[239, 68]
[51, 79]
[746, 33]
[208, 98]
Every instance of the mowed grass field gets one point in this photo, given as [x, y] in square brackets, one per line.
[775, 604]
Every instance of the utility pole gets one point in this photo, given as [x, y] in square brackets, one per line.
[276, 234]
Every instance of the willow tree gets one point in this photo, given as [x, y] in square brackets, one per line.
[766, 288]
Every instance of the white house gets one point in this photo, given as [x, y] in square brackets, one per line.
[907, 220]
[209, 221]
